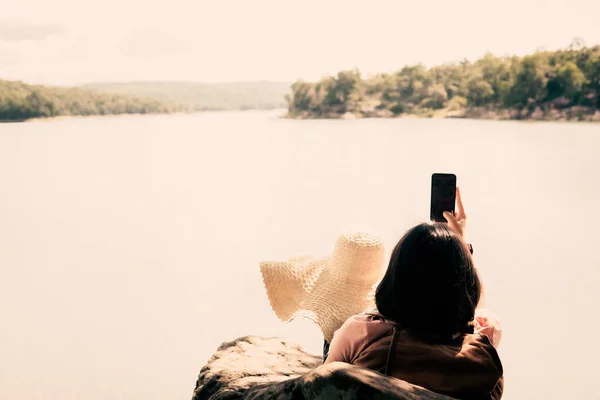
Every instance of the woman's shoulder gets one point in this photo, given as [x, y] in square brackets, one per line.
[368, 324]
[355, 335]
[479, 349]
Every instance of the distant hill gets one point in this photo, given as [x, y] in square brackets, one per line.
[20, 101]
[206, 96]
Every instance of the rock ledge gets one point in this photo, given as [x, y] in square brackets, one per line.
[254, 367]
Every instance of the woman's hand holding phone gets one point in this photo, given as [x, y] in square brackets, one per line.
[457, 221]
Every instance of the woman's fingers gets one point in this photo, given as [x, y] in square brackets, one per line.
[450, 218]
[459, 204]
[457, 220]
[453, 223]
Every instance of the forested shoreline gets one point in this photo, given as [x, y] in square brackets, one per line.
[545, 85]
[20, 101]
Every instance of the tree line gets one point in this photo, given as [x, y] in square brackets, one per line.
[20, 101]
[543, 81]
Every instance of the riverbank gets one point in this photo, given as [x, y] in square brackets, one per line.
[571, 114]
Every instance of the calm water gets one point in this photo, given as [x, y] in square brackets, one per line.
[129, 246]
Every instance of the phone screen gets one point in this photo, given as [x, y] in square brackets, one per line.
[443, 195]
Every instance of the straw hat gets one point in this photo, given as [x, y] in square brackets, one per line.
[327, 290]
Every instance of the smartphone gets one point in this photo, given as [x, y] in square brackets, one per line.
[443, 195]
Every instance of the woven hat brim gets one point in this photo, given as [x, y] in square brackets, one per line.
[332, 302]
[288, 283]
[329, 290]
[309, 291]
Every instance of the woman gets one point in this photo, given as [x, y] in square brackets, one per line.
[425, 329]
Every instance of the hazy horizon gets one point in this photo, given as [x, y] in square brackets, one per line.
[70, 43]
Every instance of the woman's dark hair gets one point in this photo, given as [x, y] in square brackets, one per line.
[431, 286]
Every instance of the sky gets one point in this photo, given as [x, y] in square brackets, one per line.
[68, 42]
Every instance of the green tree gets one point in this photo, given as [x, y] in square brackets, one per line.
[570, 79]
[530, 82]
[480, 92]
[300, 98]
[436, 96]
[340, 90]
[591, 69]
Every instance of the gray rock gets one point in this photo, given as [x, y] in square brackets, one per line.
[253, 368]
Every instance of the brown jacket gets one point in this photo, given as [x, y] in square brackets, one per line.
[468, 368]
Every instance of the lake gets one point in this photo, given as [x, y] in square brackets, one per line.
[129, 246]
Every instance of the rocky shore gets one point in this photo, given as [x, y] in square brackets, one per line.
[572, 114]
